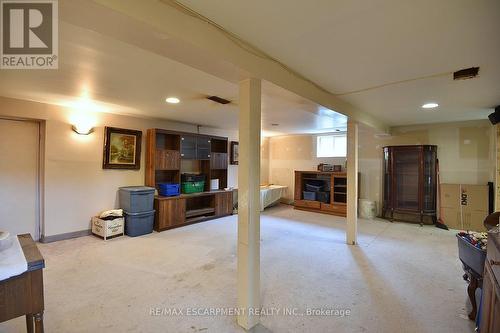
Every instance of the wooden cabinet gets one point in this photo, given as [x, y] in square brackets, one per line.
[167, 156]
[410, 182]
[165, 151]
[308, 204]
[218, 161]
[224, 203]
[172, 212]
[490, 307]
[337, 209]
[169, 213]
[332, 198]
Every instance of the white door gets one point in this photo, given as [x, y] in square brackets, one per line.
[19, 159]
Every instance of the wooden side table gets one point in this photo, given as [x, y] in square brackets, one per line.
[22, 295]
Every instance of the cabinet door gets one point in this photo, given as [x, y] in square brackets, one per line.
[167, 159]
[188, 147]
[224, 203]
[490, 307]
[169, 213]
[406, 177]
[387, 178]
[202, 148]
[218, 161]
[429, 179]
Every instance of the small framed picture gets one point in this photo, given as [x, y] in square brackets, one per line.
[234, 153]
[122, 148]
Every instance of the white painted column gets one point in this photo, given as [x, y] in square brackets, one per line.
[352, 183]
[248, 202]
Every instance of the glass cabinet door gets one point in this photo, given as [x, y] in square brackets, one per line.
[429, 190]
[387, 177]
[406, 178]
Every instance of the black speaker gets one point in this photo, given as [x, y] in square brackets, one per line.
[495, 116]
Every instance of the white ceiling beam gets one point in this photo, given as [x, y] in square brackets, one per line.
[169, 18]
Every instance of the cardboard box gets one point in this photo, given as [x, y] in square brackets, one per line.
[464, 206]
[452, 217]
[107, 229]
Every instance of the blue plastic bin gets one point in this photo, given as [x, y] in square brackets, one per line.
[169, 189]
[136, 199]
[137, 224]
[309, 195]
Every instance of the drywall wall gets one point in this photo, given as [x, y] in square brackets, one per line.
[290, 153]
[264, 161]
[75, 185]
[466, 151]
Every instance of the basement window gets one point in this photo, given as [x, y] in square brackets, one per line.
[331, 145]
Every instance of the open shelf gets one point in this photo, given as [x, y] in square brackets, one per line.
[167, 176]
[218, 145]
[168, 141]
[200, 212]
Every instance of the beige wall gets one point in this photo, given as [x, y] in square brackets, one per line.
[466, 152]
[290, 153]
[76, 187]
[264, 161]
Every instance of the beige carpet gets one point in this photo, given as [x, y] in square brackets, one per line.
[401, 278]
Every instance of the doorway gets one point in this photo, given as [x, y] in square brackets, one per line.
[20, 176]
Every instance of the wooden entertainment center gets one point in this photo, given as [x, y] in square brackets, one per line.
[333, 183]
[168, 155]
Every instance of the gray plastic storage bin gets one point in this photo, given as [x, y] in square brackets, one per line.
[471, 256]
[136, 199]
[137, 224]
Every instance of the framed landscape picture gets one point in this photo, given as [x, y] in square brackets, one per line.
[122, 148]
[234, 153]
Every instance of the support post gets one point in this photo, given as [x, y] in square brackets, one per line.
[248, 202]
[352, 183]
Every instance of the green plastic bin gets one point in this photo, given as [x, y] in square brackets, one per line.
[193, 187]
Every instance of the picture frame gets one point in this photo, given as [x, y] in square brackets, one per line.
[122, 148]
[234, 153]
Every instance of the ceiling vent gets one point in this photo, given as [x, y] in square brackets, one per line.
[467, 73]
[218, 99]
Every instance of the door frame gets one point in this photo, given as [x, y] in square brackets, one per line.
[40, 183]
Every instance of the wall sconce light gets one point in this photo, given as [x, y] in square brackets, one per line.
[82, 129]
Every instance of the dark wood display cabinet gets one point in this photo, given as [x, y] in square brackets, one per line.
[165, 153]
[410, 183]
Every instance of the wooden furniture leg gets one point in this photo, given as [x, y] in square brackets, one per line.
[39, 322]
[471, 291]
[29, 323]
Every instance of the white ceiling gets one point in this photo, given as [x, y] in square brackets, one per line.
[121, 77]
[346, 45]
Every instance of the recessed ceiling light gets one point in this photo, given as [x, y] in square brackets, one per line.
[430, 105]
[172, 100]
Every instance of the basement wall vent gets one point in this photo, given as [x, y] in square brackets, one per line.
[218, 99]
[467, 73]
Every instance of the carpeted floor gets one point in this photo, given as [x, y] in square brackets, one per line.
[400, 278]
